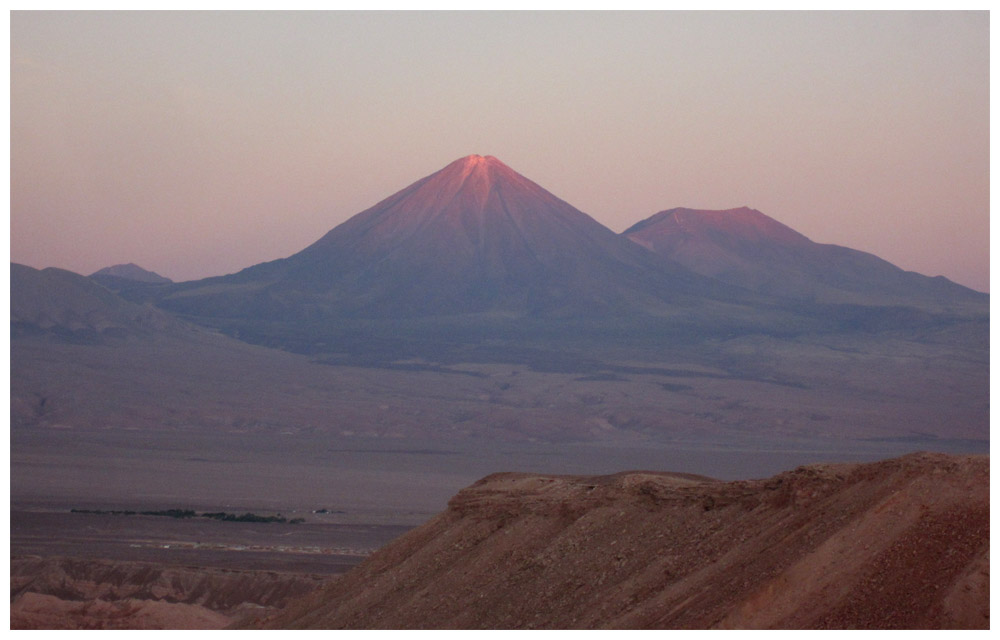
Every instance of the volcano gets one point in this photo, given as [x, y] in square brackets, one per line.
[473, 238]
[748, 249]
[477, 252]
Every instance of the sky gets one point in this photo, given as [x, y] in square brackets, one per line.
[199, 143]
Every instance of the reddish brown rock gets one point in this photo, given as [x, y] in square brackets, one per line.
[74, 593]
[901, 543]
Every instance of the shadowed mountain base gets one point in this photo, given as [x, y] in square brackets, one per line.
[902, 543]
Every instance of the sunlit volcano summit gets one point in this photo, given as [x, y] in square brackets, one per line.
[474, 237]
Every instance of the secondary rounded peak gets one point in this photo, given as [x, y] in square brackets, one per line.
[738, 222]
[709, 217]
[736, 212]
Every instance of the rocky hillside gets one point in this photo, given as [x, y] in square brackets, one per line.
[901, 543]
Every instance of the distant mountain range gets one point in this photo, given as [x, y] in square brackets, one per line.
[473, 238]
[68, 305]
[477, 251]
[498, 310]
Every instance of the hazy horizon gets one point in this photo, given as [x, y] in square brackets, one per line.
[198, 144]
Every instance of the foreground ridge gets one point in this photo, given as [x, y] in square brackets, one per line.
[901, 543]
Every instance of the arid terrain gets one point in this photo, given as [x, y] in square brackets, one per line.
[70, 593]
[475, 304]
[474, 323]
[902, 543]
[103, 571]
[499, 320]
[839, 389]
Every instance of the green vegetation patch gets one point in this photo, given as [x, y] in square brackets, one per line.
[188, 513]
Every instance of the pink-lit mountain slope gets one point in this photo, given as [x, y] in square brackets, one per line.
[746, 248]
[474, 237]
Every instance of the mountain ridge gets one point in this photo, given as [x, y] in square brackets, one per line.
[70, 306]
[747, 248]
[476, 252]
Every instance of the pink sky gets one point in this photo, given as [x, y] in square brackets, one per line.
[197, 144]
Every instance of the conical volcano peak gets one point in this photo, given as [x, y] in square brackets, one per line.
[477, 165]
[477, 236]
[475, 160]
[466, 184]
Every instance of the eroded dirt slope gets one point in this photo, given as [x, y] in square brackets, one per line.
[71, 593]
[901, 543]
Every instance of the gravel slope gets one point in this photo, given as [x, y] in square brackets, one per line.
[901, 543]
